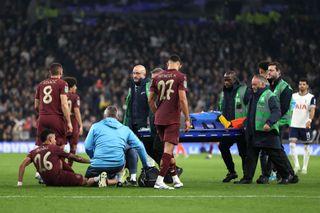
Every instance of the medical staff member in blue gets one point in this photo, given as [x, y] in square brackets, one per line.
[105, 145]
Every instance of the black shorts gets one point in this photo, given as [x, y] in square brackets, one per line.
[96, 171]
[303, 134]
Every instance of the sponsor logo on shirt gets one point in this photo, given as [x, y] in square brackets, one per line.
[301, 106]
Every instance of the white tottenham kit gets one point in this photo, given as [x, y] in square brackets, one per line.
[301, 107]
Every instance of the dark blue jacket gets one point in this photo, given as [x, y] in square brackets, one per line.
[263, 139]
[137, 111]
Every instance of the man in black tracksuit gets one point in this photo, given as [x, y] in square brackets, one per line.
[262, 132]
[232, 107]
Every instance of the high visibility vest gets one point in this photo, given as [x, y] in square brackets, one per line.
[286, 118]
[263, 111]
[239, 106]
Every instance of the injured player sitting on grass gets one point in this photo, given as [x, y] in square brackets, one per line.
[49, 160]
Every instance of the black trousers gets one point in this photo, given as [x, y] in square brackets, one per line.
[224, 148]
[157, 147]
[276, 156]
[266, 165]
[287, 162]
[154, 148]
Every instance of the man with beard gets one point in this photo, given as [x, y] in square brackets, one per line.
[137, 112]
[284, 92]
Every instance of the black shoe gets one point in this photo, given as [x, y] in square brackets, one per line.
[230, 176]
[243, 181]
[283, 181]
[293, 179]
[119, 184]
[262, 180]
[179, 171]
[132, 183]
[168, 177]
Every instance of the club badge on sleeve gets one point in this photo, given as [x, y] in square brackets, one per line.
[185, 84]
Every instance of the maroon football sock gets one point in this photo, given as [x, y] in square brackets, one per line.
[70, 162]
[173, 168]
[210, 149]
[165, 164]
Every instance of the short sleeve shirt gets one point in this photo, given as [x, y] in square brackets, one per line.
[48, 161]
[167, 85]
[48, 93]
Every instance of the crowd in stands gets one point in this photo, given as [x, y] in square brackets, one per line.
[101, 53]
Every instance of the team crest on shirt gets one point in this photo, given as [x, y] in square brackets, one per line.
[66, 89]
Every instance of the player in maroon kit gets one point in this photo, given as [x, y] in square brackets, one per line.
[52, 106]
[48, 159]
[74, 107]
[170, 87]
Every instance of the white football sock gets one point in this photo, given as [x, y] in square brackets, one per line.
[37, 175]
[306, 157]
[133, 177]
[176, 179]
[159, 179]
[294, 155]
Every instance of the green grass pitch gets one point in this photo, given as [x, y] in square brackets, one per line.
[203, 192]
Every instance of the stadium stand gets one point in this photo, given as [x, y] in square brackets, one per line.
[101, 51]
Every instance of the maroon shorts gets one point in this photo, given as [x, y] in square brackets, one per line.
[169, 133]
[66, 178]
[55, 123]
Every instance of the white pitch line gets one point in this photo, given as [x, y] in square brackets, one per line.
[158, 196]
